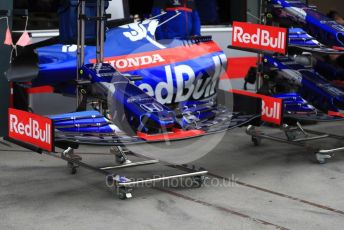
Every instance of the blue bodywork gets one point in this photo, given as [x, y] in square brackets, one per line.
[127, 99]
[175, 85]
[82, 122]
[294, 104]
[299, 37]
[318, 25]
[132, 50]
[311, 86]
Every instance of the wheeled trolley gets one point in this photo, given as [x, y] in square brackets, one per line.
[298, 136]
[122, 184]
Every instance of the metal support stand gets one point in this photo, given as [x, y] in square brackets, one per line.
[123, 185]
[80, 48]
[262, 21]
[293, 135]
[299, 137]
[100, 19]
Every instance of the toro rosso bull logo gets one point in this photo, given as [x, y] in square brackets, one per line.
[142, 31]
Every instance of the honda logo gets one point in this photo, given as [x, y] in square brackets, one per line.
[152, 107]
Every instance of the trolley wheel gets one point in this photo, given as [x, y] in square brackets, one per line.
[198, 181]
[291, 136]
[120, 159]
[321, 158]
[124, 193]
[72, 168]
[256, 141]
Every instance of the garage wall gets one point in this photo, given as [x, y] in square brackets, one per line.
[116, 9]
[4, 60]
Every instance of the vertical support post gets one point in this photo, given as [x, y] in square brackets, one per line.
[78, 40]
[78, 54]
[100, 31]
[126, 11]
[259, 80]
[259, 72]
[81, 46]
[4, 60]
[100, 38]
[82, 33]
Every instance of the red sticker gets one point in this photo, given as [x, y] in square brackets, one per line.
[335, 114]
[177, 134]
[272, 109]
[31, 128]
[260, 37]
[162, 57]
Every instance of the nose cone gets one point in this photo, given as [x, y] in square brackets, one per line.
[157, 122]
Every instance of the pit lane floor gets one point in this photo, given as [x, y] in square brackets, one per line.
[267, 187]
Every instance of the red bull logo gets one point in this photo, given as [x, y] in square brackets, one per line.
[253, 36]
[272, 110]
[30, 128]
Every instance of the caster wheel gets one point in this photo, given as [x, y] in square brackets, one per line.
[124, 193]
[291, 137]
[198, 181]
[122, 196]
[256, 141]
[109, 179]
[72, 168]
[322, 159]
[120, 159]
